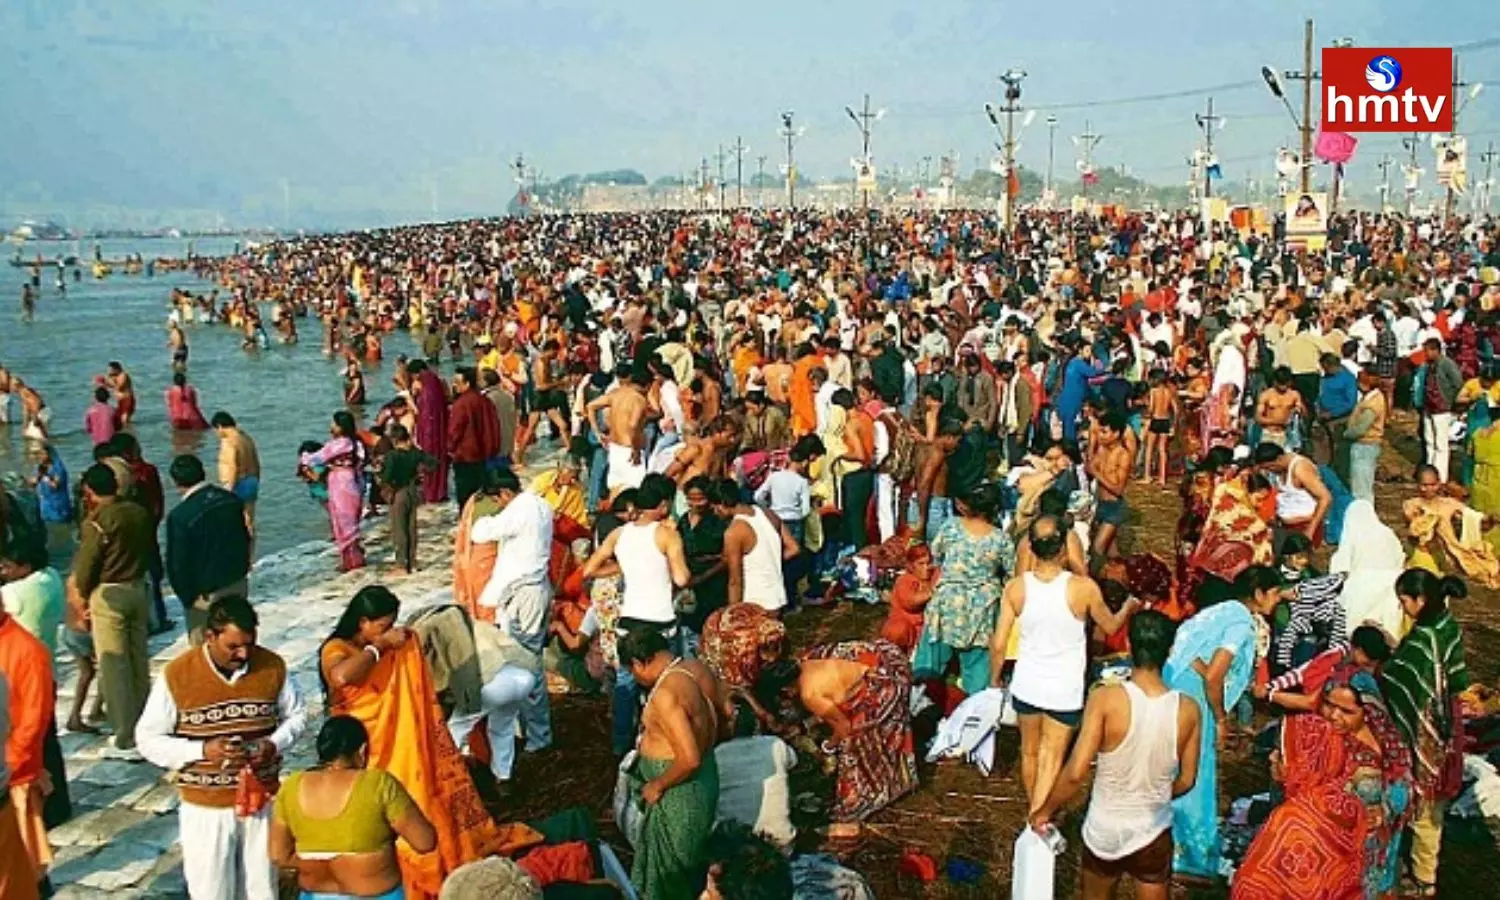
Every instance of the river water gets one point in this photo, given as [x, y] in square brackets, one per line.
[281, 396]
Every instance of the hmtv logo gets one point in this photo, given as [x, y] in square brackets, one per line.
[1401, 89]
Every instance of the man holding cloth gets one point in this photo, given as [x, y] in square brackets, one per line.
[221, 715]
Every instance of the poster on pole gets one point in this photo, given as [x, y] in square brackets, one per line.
[1453, 163]
[1214, 209]
[864, 175]
[1306, 220]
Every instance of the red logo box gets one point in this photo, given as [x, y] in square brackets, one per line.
[1390, 89]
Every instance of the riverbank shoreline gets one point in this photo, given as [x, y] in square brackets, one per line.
[122, 841]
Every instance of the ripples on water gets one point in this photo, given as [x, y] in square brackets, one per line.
[282, 396]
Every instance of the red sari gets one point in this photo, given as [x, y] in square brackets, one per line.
[1323, 840]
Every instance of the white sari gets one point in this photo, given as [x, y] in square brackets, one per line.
[1372, 559]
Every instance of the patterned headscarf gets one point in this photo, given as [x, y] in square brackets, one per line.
[1395, 756]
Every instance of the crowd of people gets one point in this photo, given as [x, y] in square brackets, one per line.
[758, 415]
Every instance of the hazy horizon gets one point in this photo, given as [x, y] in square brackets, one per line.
[384, 107]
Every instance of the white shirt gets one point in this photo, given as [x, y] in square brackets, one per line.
[823, 401]
[156, 731]
[785, 493]
[524, 531]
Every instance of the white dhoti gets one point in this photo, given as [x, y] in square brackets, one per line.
[622, 472]
[225, 857]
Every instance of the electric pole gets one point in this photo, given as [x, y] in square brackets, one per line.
[1413, 174]
[863, 120]
[790, 133]
[1488, 158]
[1453, 99]
[1208, 122]
[1051, 140]
[1385, 180]
[1307, 76]
[1086, 143]
[720, 158]
[739, 173]
[703, 183]
[1012, 80]
[760, 181]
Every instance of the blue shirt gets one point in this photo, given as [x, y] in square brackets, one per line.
[1076, 383]
[1339, 393]
[56, 503]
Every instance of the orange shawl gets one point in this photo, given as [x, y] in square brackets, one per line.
[472, 564]
[408, 739]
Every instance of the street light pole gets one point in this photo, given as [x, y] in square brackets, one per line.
[1012, 79]
[1051, 141]
[1411, 144]
[1208, 122]
[790, 133]
[863, 121]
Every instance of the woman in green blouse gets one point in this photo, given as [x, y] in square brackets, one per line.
[337, 823]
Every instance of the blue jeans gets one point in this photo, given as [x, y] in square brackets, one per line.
[1362, 459]
[598, 472]
[793, 570]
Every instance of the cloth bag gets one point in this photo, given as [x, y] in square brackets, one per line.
[629, 809]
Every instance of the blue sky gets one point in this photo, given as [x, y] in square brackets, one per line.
[211, 104]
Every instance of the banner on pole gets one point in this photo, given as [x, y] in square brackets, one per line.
[1453, 163]
[1306, 220]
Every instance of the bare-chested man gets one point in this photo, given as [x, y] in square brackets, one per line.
[177, 341]
[626, 442]
[34, 412]
[28, 302]
[705, 454]
[675, 772]
[551, 397]
[1110, 466]
[1276, 406]
[932, 471]
[119, 381]
[1161, 418]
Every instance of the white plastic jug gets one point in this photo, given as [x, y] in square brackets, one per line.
[1035, 865]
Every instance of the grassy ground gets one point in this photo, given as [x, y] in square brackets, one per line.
[959, 813]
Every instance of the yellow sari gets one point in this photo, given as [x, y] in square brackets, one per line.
[408, 739]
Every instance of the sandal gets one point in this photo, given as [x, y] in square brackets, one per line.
[1411, 887]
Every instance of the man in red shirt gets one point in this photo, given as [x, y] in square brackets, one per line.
[26, 678]
[148, 493]
[473, 434]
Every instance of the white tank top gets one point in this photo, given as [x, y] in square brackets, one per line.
[1053, 650]
[1132, 799]
[1293, 504]
[763, 582]
[648, 580]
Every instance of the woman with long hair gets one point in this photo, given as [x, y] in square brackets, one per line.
[372, 671]
[1213, 659]
[1421, 682]
[344, 457]
[337, 823]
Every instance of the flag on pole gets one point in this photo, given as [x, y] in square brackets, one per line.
[1214, 171]
[1013, 184]
[1335, 146]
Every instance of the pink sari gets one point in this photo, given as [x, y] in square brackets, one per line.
[344, 458]
[182, 409]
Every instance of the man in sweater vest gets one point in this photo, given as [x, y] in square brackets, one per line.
[220, 716]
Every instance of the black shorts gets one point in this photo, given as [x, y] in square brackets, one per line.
[549, 400]
[1152, 864]
[1070, 719]
[1161, 426]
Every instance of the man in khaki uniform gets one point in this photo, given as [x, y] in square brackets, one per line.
[107, 587]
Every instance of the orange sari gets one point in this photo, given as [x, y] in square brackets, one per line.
[408, 739]
[472, 564]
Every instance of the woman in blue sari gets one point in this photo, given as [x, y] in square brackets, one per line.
[1212, 661]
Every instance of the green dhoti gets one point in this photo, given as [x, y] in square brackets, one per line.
[670, 859]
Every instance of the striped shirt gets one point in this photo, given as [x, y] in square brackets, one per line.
[1316, 614]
